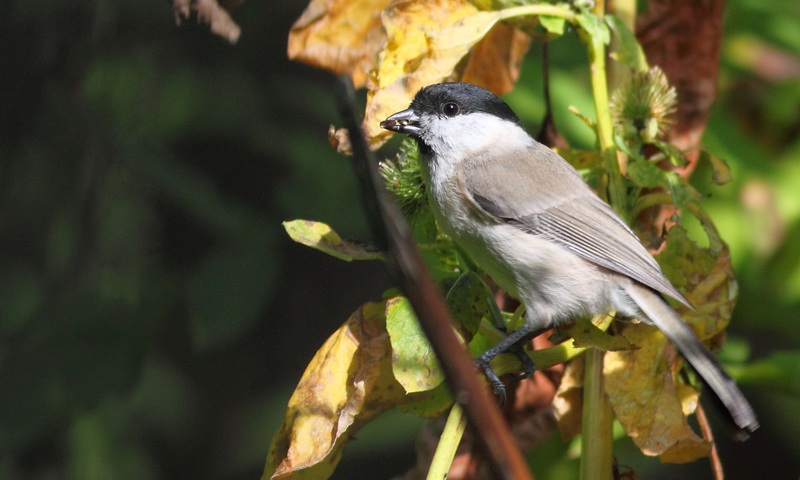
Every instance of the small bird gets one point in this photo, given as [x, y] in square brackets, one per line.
[526, 217]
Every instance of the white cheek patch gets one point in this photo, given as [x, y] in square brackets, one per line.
[454, 139]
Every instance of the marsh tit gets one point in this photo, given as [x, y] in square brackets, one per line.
[526, 217]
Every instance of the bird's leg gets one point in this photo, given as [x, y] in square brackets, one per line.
[513, 343]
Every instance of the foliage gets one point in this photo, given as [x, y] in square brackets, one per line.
[415, 45]
[154, 316]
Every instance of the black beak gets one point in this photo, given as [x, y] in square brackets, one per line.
[403, 122]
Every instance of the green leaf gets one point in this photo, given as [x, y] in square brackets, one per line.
[595, 27]
[670, 150]
[621, 142]
[414, 364]
[630, 52]
[679, 189]
[430, 403]
[644, 173]
[322, 237]
[554, 25]
[468, 300]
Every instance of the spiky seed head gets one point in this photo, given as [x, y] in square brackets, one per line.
[641, 108]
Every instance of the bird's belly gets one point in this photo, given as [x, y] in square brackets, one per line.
[554, 283]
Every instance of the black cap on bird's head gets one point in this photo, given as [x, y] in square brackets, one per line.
[448, 100]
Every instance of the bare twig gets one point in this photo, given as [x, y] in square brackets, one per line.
[705, 428]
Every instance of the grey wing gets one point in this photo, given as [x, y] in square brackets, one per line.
[580, 222]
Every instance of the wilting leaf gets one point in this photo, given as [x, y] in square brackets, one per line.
[323, 238]
[212, 14]
[343, 36]
[705, 276]
[568, 401]
[495, 62]
[643, 386]
[585, 334]
[347, 384]
[721, 172]
[414, 364]
[425, 42]
[643, 391]
[339, 139]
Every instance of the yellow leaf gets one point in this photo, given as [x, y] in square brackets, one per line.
[585, 334]
[322, 237]
[348, 383]
[343, 36]
[643, 391]
[425, 42]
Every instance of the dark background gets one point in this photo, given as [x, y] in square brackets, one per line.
[154, 317]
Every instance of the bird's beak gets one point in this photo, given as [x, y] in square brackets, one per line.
[403, 122]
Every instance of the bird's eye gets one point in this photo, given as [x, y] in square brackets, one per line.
[450, 109]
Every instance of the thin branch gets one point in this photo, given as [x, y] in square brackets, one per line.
[392, 234]
[705, 428]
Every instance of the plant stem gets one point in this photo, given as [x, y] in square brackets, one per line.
[605, 132]
[538, 9]
[448, 444]
[597, 443]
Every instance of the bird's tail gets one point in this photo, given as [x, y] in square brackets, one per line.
[682, 336]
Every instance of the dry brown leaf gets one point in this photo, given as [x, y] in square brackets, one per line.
[343, 36]
[211, 13]
[339, 138]
[568, 402]
[644, 394]
[495, 61]
[426, 40]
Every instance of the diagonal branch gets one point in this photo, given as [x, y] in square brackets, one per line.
[392, 234]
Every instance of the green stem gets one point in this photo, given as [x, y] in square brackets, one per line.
[448, 444]
[597, 441]
[544, 357]
[539, 9]
[597, 444]
[605, 131]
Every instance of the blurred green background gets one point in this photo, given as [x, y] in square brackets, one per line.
[154, 317]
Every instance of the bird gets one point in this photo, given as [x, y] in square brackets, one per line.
[530, 221]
